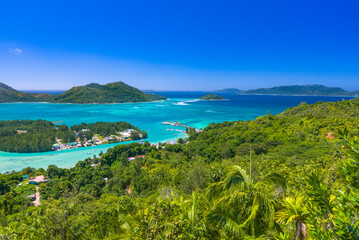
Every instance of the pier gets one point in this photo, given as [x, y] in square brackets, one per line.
[57, 122]
[178, 124]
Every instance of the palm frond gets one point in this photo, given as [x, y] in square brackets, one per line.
[274, 179]
[237, 176]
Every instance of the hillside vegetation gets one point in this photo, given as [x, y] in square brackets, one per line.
[117, 92]
[288, 176]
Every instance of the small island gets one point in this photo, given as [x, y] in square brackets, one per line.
[211, 97]
[28, 136]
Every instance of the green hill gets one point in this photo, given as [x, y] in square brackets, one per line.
[211, 97]
[312, 90]
[117, 92]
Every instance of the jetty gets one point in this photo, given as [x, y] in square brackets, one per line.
[178, 124]
[57, 122]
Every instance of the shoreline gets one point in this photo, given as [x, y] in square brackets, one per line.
[67, 149]
[62, 161]
[214, 100]
[294, 95]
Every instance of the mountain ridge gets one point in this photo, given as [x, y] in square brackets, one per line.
[310, 90]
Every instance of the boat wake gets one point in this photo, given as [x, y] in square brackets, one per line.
[210, 111]
[182, 103]
[194, 100]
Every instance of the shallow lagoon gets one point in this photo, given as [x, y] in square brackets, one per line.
[181, 106]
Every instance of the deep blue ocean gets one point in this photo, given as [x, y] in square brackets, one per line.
[184, 107]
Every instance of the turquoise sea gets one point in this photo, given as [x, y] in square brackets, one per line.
[181, 106]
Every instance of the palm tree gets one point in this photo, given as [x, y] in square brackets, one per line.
[197, 208]
[294, 210]
[242, 206]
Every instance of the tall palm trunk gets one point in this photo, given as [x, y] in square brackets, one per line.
[300, 231]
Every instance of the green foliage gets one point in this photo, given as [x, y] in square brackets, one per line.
[39, 135]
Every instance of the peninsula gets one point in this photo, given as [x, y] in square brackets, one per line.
[26, 136]
[116, 92]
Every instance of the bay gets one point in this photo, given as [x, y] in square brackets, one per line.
[184, 107]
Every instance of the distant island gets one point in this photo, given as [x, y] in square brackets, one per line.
[27, 136]
[117, 92]
[228, 90]
[309, 90]
[211, 97]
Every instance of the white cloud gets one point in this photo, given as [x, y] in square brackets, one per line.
[15, 51]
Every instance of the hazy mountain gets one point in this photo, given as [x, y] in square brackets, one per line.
[229, 90]
[313, 90]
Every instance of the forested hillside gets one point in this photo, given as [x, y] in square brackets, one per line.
[288, 176]
[117, 92]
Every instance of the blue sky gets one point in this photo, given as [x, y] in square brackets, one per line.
[179, 45]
